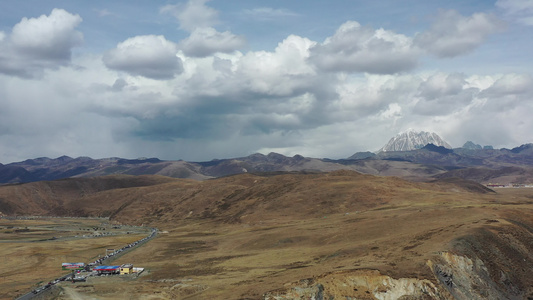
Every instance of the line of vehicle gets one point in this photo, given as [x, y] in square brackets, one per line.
[107, 258]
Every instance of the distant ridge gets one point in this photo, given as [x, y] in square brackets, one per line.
[413, 140]
[425, 163]
[438, 149]
[473, 146]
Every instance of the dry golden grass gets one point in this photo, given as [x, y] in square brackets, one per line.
[206, 260]
[29, 258]
[240, 237]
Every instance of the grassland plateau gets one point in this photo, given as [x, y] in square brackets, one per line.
[337, 235]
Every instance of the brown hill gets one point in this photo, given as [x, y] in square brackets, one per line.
[505, 175]
[68, 197]
[334, 235]
[233, 199]
[248, 198]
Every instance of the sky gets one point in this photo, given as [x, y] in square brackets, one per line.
[200, 80]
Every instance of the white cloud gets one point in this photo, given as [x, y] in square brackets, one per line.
[511, 84]
[354, 48]
[103, 12]
[518, 10]
[371, 95]
[40, 43]
[193, 14]
[453, 34]
[281, 72]
[269, 14]
[206, 41]
[47, 37]
[394, 111]
[149, 56]
[507, 93]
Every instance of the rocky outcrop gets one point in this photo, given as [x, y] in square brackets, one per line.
[465, 278]
[359, 284]
[494, 263]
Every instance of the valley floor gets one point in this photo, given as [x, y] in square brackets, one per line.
[33, 249]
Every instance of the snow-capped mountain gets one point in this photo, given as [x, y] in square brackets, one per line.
[412, 140]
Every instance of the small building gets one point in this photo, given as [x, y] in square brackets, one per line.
[126, 269]
[107, 269]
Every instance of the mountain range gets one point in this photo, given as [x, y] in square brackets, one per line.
[428, 163]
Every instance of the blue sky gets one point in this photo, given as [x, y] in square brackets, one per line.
[198, 80]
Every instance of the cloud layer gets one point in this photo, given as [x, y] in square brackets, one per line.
[204, 96]
[453, 34]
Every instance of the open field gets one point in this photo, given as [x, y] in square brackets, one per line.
[202, 260]
[245, 237]
[29, 254]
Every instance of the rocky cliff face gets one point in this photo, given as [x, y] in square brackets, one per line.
[412, 140]
[464, 277]
[494, 263]
[362, 284]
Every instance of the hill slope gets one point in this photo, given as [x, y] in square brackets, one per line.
[336, 235]
[147, 198]
[68, 197]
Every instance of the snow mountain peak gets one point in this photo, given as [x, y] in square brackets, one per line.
[411, 140]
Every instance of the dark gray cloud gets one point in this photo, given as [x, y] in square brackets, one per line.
[184, 126]
[258, 93]
[119, 85]
[148, 56]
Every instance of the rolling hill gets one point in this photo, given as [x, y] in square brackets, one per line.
[277, 235]
[147, 198]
